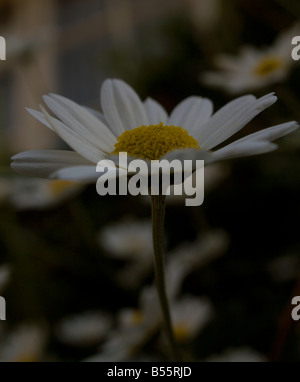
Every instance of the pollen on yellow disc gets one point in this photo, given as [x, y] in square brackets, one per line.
[181, 332]
[59, 186]
[268, 66]
[154, 141]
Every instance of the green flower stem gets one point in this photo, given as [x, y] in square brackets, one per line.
[158, 218]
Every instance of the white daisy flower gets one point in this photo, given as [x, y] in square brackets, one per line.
[242, 354]
[144, 130]
[85, 329]
[189, 316]
[253, 68]
[41, 193]
[25, 344]
[35, 193]
[129, 239]
[136, 326]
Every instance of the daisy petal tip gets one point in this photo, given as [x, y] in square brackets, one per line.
[18, 156]
[32, 112]
[47, 99]
[269, 98]
[108, 82]
[42, 108]
[15, 165]
[292, 126]
[266, 101]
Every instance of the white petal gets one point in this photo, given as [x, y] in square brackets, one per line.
[231, 118]
[191, 113]
[74, 140]
[40, 117]
[83, 122]
[86, 174]
[156, 113]
[244, 149]
[189, 154]
[271, 133]
[122, 107]
[42, 163]
[96, 114]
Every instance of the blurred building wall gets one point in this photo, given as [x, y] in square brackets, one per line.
[29, 71]
[50, 48]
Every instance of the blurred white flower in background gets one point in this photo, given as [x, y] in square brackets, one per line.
[129, 239]
[189, 315]
[84, 329]
[253, 68]
[242, 354]
[25, 344]
[30, 193]
[136, 326]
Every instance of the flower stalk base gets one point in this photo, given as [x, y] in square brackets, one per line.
[158, 218]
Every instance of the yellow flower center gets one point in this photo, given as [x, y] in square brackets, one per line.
[57, 187]
[154, 141]
[268, 66]
[181, 332]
